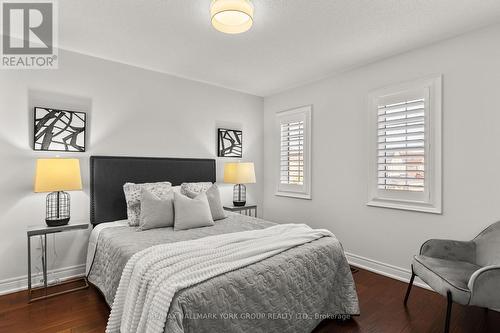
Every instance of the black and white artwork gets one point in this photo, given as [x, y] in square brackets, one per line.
[59, 130]
[230, 143]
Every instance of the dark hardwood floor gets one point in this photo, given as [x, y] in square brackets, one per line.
[381, 301]
[382, 310]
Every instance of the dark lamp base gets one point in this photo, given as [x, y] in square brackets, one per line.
[57, 222]
[239, 195]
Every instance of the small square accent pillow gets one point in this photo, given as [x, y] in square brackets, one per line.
[133, 194]
[191, 213]
[195, 187]
[156, 212]
[213, 196]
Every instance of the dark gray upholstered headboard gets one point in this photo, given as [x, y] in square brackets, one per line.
[109, 173]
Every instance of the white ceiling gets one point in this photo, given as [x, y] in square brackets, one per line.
[291, 43]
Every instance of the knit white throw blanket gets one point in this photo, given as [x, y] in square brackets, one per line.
[152, 277]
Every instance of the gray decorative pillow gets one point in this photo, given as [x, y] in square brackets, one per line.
[133, 194]
[191, 213]
[213, 196]
[156, 212]
[195, 187]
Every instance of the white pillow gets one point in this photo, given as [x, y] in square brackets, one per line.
[191, 213]
[133, 194]
[213, 196]
[156, 212]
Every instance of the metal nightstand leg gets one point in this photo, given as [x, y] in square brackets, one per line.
[45, 278]
[29, 266]
[44, 263]
[58, 293]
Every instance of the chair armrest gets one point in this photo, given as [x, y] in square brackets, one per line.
[484, 286]
[449, 250]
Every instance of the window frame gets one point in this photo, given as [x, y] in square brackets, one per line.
[290, 190]
[430, 200]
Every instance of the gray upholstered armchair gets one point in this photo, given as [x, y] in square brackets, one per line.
[465, 272]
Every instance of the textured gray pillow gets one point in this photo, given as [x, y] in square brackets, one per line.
[197, 188]
[133, 194]
[213, 196]
[156, 212]
[191, 213]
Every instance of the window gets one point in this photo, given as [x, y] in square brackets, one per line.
[292, 153]
[401, 146]
[294, 130]
[406, 146]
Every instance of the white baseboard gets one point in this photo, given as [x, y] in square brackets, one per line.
[19, 283]
[384, 269]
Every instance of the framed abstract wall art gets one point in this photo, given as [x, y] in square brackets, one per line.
[59, 130]
[230, 143]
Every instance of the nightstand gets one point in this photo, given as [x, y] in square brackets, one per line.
[43, 231]
[245, 210]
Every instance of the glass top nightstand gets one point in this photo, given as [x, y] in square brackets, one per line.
[43, 230]
[249, 210]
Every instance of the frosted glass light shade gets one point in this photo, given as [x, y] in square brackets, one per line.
[231, 16]
[57, 174]
[239, 173]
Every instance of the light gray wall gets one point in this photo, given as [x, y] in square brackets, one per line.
[471, 151]
[131, 112]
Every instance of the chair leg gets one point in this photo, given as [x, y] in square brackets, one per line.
[410, 284]
[448, 312]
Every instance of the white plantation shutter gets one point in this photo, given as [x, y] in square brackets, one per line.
[294, 152]
[406, 165]
[401, 146]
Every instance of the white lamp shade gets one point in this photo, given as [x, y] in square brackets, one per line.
[239, 173]
[57, 174]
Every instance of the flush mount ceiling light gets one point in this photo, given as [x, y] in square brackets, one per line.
[231, 16]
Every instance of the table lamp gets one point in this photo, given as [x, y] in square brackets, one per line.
[56, 175]
[239, 174]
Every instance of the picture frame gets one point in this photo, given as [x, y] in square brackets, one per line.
[59, 130]
[230, 143]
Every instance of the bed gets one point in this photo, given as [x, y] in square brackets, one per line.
[292, 291]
